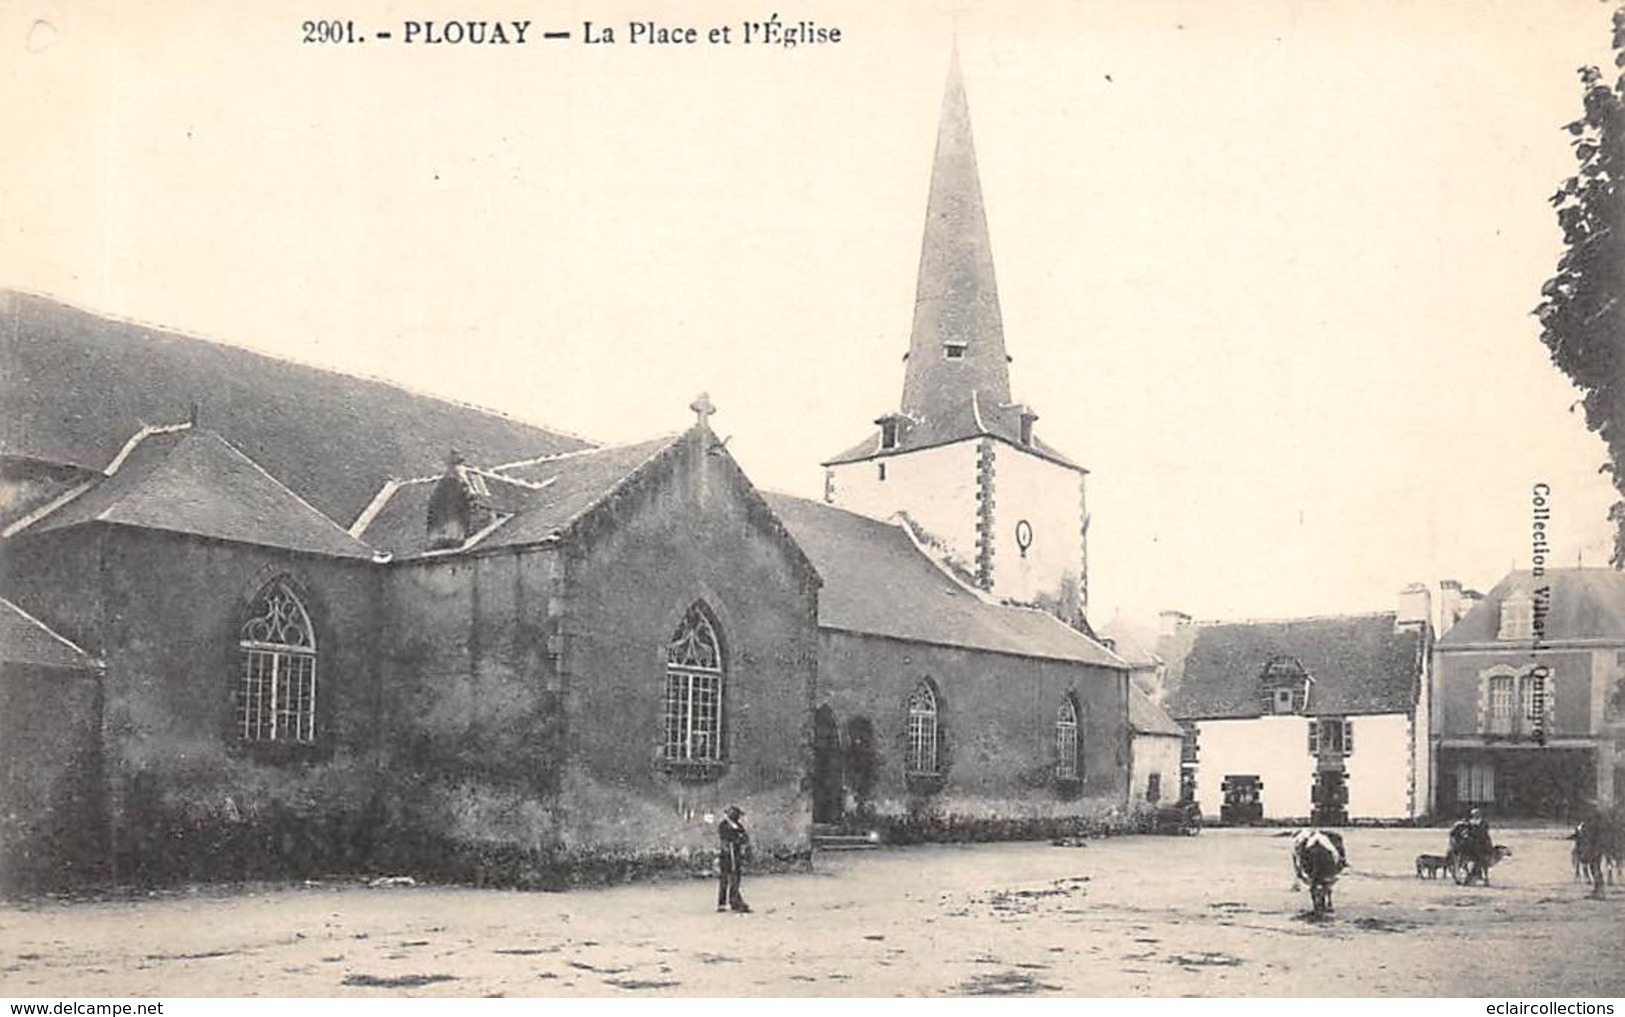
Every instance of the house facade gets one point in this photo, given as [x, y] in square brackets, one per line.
[1314, 719]
[1529, 709]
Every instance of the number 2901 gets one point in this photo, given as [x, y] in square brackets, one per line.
[330, 31]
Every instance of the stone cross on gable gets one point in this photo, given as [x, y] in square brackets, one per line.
[702, 410]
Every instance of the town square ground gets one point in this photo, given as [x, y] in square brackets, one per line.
[1213, 915]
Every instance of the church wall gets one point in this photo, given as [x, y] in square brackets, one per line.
[51, 808]
[997, 718]
[1050, 498]
[188, 797]
[696, 533]
[474, 717]
[937, 487]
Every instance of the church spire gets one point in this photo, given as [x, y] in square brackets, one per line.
[957, 346]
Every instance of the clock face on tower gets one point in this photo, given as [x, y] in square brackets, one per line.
[1024, 536]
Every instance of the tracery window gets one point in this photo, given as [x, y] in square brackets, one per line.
[922, 754]
[694, 690]
[1066, 740]
[276, 691]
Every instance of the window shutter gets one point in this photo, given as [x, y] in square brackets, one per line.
[1348, 738]
[1314, 738]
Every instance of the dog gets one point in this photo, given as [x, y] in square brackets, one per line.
[1429, 866]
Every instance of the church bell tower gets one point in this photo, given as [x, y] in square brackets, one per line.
[959, 458]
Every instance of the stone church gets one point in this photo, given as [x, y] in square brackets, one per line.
[265, 620]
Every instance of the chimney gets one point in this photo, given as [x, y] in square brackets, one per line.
[1450, 604]
[451, 507]
[1469, 600]
[1172, 622]
[1415, 607]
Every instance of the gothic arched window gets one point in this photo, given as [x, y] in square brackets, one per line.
[1066, 740]
[694, 689]
[922, 754]
[276, 694]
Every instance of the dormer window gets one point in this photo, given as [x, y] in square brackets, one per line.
[1284, 685]
[1027, 427]
[890, 427]
[1517, 616]
[953, 351]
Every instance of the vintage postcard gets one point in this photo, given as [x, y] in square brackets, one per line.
[1034, 499]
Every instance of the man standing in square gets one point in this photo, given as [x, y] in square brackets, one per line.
[731, 860]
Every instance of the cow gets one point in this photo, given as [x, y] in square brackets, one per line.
[1317, 857]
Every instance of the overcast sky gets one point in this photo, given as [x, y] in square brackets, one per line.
[1266, 267]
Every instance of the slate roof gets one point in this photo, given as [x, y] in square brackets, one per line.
[1359, 664]
[1584, 604]
[877, 582]
[542, 497]
[951, 422]
[192, 481]
[77, 385]
[1146, 717]
[25, 639]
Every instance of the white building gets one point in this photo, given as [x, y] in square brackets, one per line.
[1321, 719]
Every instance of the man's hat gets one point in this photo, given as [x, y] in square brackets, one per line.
[734, 812]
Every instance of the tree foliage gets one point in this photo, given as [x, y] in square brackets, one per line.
[1582, 311]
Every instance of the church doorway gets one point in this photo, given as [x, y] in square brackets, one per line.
[828, 783]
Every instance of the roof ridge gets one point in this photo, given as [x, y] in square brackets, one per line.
[555, 456]
[368, 514]
[1300, 618]
[23, 523]
[53, 633]
[135, 440]
[181, 333]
